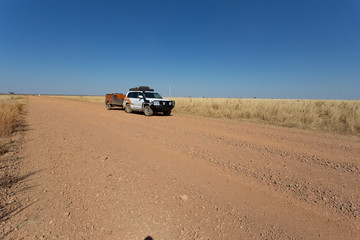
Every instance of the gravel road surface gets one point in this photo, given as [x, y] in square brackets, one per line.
[90, 173]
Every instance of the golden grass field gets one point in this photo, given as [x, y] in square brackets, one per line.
[96, 99]
[335, 116]
[332, 116]
[10, 110]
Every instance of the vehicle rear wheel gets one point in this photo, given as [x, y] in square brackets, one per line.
[108, 106]
[167, 113]
[128, 108]
[148, 111]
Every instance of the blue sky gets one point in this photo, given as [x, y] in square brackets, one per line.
[268, 49]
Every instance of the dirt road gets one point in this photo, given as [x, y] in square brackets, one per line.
[98, 174]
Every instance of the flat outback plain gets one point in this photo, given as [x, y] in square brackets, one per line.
[83, 172]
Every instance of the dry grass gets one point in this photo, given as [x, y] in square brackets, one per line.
[96, 99]
[333, 116]
[10, 109]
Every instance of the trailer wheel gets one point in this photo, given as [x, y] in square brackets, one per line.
[148, 111]
[128, 108]
[108, 106]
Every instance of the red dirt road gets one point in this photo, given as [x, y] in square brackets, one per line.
[98, 174]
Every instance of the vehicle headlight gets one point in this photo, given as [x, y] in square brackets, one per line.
[156, 103]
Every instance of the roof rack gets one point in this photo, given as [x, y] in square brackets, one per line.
[141, 88]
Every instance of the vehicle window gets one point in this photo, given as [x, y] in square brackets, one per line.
[152, 95]
[133, 95]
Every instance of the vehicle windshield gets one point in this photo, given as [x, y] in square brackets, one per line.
[152, 95]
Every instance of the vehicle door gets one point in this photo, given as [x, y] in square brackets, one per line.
[136, 101]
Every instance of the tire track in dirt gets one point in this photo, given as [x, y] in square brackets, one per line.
[111, 175]
[316, 192]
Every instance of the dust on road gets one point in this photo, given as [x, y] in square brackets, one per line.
[98, 174]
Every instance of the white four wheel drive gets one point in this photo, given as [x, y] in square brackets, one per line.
[144, 99]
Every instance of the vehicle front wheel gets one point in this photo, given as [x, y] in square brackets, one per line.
[128, 108]
[167, 113]
[108, 106]
[148, 111]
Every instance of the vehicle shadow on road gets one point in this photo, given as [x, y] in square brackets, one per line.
[156, 114]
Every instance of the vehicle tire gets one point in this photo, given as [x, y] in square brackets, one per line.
[128, 108]
[108, 106]
[167, 113]
[148, 111]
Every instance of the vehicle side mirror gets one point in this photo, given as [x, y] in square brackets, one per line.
[141, 96]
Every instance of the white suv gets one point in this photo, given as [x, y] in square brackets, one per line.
[144, 99]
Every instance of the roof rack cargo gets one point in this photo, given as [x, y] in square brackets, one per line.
[141, 88]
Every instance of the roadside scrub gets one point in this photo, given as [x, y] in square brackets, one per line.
[10, 110]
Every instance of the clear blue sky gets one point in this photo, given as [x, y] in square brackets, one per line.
[267, 49]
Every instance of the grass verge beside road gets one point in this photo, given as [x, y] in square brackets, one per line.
[333, 116]
[11, 138]
[11, 108]
[95, 99]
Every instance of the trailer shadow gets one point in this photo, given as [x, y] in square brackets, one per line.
[117, 109]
